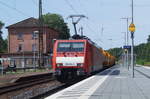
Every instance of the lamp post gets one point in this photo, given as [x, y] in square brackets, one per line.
[132, 30]
[127, 39]
[124, 54]
[35, 36]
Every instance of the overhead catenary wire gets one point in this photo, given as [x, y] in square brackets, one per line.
[36, 4]
[85, 11]
[83, 8]
[14, 8]
[71, 6]
[75, 11]
[90, 20]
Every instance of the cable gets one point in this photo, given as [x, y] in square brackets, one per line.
[83, 7]
[85, 11]
[91, 21]
[14, 8]
[93, 32]
[35, 3]
[73, 9]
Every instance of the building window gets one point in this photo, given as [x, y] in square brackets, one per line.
[20, 36]
[34, 47]
[20, 48]
[35, 35]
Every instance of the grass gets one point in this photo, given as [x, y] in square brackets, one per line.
[142, 62]
[147, 63]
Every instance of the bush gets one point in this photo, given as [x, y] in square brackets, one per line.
[140, 62]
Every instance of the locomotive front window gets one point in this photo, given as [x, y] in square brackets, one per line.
[78, 46]
[70, 47]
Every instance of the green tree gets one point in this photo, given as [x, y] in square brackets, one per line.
[117, 52]
[1, 25]
[148, 40]
[142, 52]
[5, 45]
[56, 21]
[1, 38]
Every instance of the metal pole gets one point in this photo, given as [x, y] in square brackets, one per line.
[34, 51]
[81, 31]
[127, 43]
[125, 38]
[124, 54]
[40, 54]
[128, 59]
[132, 11]
[132, 47]
[2, 68]
[24, 58]
[75, 29]
[127, 31]
[132, 54]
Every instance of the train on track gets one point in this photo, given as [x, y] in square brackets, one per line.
[77, 58]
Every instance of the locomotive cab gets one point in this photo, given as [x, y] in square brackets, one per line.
[68, 59]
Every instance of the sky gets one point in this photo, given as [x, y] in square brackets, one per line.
[103, 26]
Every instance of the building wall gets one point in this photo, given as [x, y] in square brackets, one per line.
[49, 39]
[27, 40]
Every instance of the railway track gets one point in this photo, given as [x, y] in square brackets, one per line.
[22, 84]
[25, 83]
[18, 86]
[63, 86]
[29, 83]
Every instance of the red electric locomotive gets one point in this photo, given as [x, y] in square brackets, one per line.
[74, 58]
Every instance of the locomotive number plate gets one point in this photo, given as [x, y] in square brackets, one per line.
[69, 64]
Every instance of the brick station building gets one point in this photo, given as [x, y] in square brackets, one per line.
[23, 42]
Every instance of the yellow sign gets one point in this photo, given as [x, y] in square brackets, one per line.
[132, 27]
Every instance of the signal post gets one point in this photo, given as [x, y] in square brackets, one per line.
[132, 30]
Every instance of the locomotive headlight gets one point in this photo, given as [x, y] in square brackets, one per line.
[57, 72]
[59, 64]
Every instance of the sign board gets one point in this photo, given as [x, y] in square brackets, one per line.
[127, 47]
[132, 27]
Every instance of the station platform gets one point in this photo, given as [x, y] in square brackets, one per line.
[113, 83]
